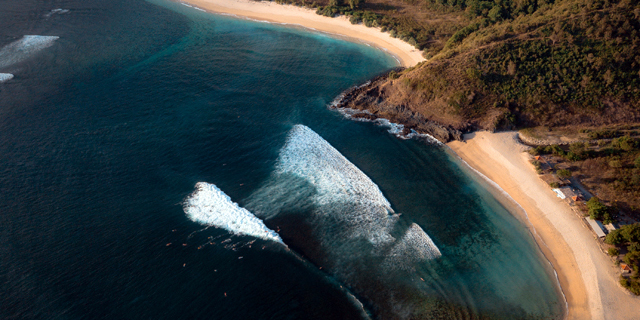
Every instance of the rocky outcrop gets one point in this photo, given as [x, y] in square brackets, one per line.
[371, 103]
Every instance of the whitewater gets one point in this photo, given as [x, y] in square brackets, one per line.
[344, 204]
[211, 206]
[24, 49]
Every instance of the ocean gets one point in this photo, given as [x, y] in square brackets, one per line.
[116, 110]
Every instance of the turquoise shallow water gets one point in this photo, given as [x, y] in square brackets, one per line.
[107, 131]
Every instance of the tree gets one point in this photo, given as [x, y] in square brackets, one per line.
[563, 174]
[597, 209]
[636, 163]
[613, 252]
[354, 3]
[631, 232]
[578, 148]
[615, 238]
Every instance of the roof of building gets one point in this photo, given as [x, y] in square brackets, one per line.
[569, 192]
[625, 267]
[597, 227]
[610, 227]
[559, 193]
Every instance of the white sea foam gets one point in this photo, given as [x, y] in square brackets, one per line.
[307, 155]
[4, 77]
[414, 246]
[211, 206]
[24, 48]
[347, 204]
[56, 11]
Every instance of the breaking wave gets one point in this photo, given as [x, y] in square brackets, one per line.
[339, 219]
[4, 77]
[211, 206]
[344, 203]
[24, 48]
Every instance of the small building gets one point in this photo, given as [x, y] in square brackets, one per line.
[597, 227]
[559, 193]
[625, 268]
[576, 198]
[610, 227]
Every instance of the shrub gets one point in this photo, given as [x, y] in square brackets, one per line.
[578, 148]
[623, 143]
[554, 185]
[613, 252]
[563, 174]
[636, 163]
[597, 209]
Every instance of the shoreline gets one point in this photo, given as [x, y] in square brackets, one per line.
[588, 278]
[404, 53]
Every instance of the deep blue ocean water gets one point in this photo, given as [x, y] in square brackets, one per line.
[105, 133]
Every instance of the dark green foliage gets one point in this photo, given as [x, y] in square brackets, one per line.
[626, 234]
[563, 174]
[603, 134]
[632, 286]
[552, 149]
[624, 143]
[615, 238]
[580, 60]
[554, 185]
[597, 209]
[613, 251]
[636, 163]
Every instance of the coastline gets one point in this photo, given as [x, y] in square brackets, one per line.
[587, 277]
[406, 54]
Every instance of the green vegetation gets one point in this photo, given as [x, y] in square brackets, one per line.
[599, 211]
[630, 235]
[613, 252]
[563, 174]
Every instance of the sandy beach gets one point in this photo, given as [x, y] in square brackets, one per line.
[588, 278]
[406, 54]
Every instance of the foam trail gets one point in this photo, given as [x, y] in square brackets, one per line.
[209, 205]
[4, 77]
[24, 48]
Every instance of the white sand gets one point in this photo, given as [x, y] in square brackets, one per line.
[587, 276]
[270, 11]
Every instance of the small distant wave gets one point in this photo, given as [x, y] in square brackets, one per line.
[4, 77]
[211, 206]
[24, 48]
[56, 11]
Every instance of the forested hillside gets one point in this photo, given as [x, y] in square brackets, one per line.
[505, 63]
